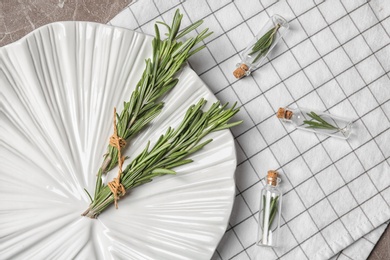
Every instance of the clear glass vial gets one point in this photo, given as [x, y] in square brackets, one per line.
[317, 122]
[269, 213]
[257, 50]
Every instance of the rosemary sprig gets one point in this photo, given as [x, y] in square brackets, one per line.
[170, 150]
[273, 210]
[319, 123]
[264, 43]
[158, 78]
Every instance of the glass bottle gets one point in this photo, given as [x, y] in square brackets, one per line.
[270, 210]
[317, 122]
[257, 50]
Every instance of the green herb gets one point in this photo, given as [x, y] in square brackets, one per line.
[158, 78]
[171, 150]
[264, 43]
[273, 210]
[317, 122]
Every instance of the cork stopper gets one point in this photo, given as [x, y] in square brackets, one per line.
[240, 71]
[272, 177]
[284, 113]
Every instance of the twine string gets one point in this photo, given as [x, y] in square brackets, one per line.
[115, 185]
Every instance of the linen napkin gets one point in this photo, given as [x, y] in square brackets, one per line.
[334, 59]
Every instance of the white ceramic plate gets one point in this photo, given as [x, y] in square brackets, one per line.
[58, 88]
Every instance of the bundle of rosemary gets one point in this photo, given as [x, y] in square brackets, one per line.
[158, 78]
[170, 150]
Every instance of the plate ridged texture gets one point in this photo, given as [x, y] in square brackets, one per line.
[59, 86]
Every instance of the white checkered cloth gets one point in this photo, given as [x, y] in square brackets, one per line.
[336, 59]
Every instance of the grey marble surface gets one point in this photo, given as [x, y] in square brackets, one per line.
[382, 249]
[17, 18]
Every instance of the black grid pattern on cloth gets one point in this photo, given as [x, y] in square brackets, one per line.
[313, 91]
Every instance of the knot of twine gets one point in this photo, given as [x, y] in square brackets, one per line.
[115, 185]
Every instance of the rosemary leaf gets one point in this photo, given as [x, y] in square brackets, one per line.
[262, 46]
[274, 210]
[318, 122]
